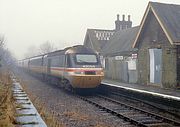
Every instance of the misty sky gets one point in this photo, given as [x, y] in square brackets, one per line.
[25, 23]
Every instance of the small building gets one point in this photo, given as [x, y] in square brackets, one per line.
[158, 43]
[120, 57]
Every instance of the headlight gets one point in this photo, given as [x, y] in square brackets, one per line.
[99, 72]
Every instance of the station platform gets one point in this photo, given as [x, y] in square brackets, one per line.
[173, 94]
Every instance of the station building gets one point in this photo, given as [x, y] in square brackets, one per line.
[148, 54]
[158, 44]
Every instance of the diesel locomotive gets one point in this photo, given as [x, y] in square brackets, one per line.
[77, 66]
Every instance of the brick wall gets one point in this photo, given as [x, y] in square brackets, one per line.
[152, 36]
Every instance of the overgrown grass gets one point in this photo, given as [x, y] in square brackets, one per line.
[7, 108]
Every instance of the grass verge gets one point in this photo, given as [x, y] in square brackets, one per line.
[7, 108]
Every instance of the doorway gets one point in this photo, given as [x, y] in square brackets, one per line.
[155, 65]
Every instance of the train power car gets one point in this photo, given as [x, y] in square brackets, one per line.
[78, 66]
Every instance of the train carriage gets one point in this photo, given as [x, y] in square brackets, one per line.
[78, 65]
[35, 64]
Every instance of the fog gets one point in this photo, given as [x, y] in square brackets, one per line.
[26, 23]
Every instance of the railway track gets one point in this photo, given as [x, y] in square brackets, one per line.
[134, 115]
[128, 115]
[160, 109]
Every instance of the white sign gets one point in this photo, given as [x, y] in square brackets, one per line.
[119, 57]
[132, 65]
[134, 56]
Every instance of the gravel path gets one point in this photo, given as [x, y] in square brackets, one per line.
[70, 110]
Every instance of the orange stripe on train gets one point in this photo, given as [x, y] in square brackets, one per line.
[73, 70]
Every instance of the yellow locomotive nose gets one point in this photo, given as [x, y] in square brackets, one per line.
[87, 78]
[86, 81]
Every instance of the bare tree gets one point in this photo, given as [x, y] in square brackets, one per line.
[1, 49]
[46, 47]
[31, 51]
[2, 41]
[6, 57]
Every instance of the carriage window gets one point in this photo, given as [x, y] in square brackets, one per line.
[86, 58]
[68, 62]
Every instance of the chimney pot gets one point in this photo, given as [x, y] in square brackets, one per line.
[123, 17]
[129, 17]
[117, 16]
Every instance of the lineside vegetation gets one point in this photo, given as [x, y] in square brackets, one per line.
[7, 106]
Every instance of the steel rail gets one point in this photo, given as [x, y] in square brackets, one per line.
[147, 103]
[113, 112]
[164, 119]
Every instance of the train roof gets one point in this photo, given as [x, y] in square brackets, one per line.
[72, 50]
[37, 56]
[68, 50]
[80, 49]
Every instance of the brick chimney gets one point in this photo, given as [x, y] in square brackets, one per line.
[121, 25]
[123, 17]
[117, 23]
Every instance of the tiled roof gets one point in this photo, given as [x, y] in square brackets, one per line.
[168, 16]
[98, 38]
[121, 41]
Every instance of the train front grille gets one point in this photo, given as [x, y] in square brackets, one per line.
[90, 73]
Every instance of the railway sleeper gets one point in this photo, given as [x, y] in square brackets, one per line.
[144, 118]
[134, 114]
[122, 111]
[150, 121]
[159, 125]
